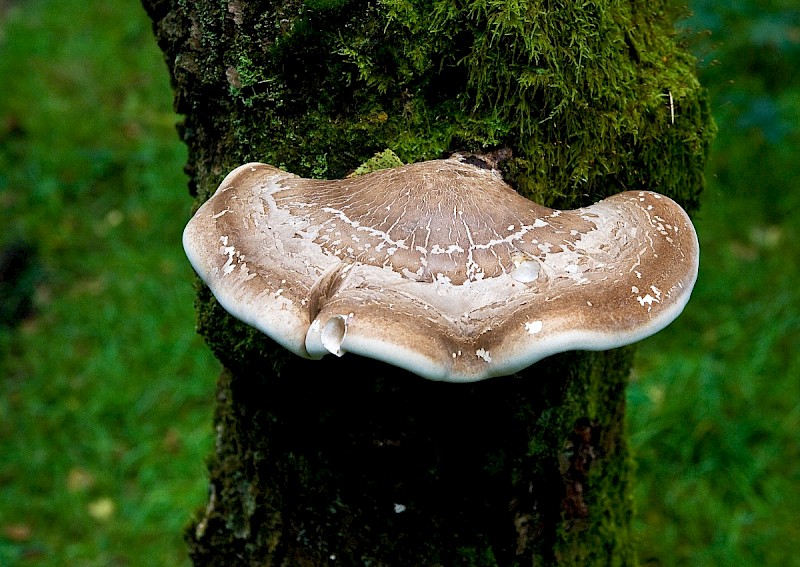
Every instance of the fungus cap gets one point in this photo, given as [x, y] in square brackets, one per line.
[439, 267]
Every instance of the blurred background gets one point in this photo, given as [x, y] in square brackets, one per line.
[106, 394]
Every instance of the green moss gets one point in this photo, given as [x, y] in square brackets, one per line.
[596, 464]
[381, 160]
[585, 105]
[475, 557]
[326, 5]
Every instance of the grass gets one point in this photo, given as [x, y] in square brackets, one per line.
[106, 394]
[714, 407]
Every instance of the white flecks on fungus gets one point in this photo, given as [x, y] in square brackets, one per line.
[416, 264]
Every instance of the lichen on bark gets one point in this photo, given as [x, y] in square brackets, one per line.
[353, 462]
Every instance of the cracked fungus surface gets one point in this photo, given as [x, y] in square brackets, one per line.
[439, 267]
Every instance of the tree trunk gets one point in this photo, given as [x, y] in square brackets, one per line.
[353, 462]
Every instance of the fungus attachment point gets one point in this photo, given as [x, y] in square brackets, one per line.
[423, 264]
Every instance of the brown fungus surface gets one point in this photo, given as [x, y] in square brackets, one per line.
[439, 267]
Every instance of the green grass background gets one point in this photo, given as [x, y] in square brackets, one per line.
[106, 394]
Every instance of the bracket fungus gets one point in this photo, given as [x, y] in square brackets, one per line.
[439, 267]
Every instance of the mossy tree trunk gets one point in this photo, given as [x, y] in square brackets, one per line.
[352, 462]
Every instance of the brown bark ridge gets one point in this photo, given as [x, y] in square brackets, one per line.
[352, 462]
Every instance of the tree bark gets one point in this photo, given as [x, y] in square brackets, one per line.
[353, 462]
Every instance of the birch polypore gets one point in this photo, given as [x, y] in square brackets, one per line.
[439, 267]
